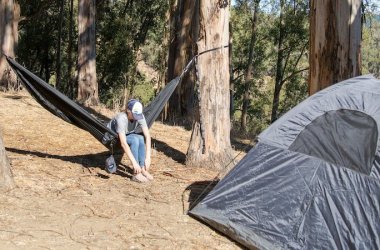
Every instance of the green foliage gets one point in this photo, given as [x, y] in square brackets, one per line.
[143, 91]
[295, 44]
[154, 51]
[261, 104]
[296, 90]
[241, 20]
[123, 28]
[371, 43]
[38, 37]
[126, 29]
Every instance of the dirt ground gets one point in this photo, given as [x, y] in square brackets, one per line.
[65, 200]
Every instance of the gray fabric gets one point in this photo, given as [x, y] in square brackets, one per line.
[343, 137]
[121, 124]
[279, 199]
[61, 106]
[359, 93]
[313, 179]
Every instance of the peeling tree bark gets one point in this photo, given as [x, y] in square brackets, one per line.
[335, 37]
[87, 82]
[210, 144]
[9, 18]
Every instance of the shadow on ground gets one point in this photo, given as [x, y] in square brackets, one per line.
[173, 153]
[199, 190]
[241, 145]
[98, 160]
[87, 161]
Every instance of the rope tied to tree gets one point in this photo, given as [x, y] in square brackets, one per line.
[190, 63]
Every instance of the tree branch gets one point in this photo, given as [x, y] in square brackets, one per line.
[43, 6]
[295, 65]
[293, 74]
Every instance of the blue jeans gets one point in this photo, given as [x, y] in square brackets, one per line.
[137, 144]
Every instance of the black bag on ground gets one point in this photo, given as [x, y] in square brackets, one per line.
[111, 166]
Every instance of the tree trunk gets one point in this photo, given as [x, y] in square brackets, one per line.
[335, 37]
[180, 53]
[87, 83]
[279, 67]
[70, 77]
[163, 68]
[249, 70]
[9, 18]
[46, 61]
[6, 178]
[210, 144]
[58, 83]
[232, 85]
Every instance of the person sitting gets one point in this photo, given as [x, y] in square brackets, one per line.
[137, 149]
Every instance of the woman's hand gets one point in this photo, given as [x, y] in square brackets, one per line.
[136, 169]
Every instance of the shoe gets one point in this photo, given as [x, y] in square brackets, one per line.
[139, 178]
[147, 175]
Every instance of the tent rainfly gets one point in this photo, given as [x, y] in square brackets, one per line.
[313, 179]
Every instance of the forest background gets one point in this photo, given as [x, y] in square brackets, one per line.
[134, 37]
[61, 198]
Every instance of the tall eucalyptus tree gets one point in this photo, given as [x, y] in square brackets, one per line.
[335, 39]
[210, 140]
[87, 81]
[9, 18]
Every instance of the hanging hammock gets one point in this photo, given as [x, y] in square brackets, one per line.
[66, 109]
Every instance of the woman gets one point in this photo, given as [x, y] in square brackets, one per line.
[137, 149]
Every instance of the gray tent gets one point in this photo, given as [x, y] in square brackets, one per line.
[313, 179]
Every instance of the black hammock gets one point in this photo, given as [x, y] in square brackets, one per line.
[66, 109]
